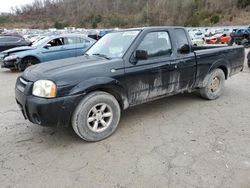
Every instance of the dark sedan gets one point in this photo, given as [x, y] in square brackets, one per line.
[8, 42]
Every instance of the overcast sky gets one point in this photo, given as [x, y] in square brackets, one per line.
[7, 4]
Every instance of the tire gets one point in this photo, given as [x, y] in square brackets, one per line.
[230, 42]
[248, 63]
[13, 70]
[87, 130]
[214, 85]
[26, 62]
[245, 43]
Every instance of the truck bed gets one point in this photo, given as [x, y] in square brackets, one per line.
[231, 59]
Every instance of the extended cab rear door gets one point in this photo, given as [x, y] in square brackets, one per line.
[185, 63]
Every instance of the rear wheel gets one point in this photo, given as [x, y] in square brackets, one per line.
[214, 85]
[26, 62]
[96, 117]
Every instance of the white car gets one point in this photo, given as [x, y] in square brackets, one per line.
[196, 40]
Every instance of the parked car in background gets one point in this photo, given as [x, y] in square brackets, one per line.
[224, 39]
[8, 42]
[218, 39]
[196, 40]
[36, 38]
[241, 37]
[13, 34]
[100, 34]
[212, 40]
[47, 49]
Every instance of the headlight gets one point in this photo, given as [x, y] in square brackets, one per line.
[10, 58]
[44, 88]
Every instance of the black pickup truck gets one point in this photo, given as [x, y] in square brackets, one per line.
[123, 69]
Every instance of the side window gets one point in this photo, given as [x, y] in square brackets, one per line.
[56, 42]
[181, 38]
[3, 40]
[76, 40]
[72, 40]
[156, 44]
[12, 39]
[84, 41]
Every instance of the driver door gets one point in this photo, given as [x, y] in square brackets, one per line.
[55, 49]
[146, 79]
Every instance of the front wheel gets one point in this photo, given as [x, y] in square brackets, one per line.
[96, 117]
[26, 62]
[214, 85]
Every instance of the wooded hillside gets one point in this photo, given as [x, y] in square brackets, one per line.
[128, 13]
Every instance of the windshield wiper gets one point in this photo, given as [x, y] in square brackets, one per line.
[102, 55]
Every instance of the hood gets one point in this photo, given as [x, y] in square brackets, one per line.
[18, 49]
[60, 69]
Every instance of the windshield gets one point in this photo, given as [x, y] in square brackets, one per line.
[113, 45]
[40, 42]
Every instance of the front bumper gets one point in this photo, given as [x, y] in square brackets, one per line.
[45, 112]
[9, 64]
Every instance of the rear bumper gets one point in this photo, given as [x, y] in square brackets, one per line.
[47, 112]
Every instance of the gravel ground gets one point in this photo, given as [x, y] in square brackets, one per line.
[181, 141]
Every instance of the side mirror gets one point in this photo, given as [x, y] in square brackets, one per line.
[185, 49]
[47, 46]
[141, 55]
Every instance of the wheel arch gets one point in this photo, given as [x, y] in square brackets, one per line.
[223, 65]
[115, 93]
[31, 56]
[224, 69]
[108, 85]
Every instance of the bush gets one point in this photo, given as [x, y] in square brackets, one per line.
[3, 19]
[243, 3]
[214, 19]
[60, 25]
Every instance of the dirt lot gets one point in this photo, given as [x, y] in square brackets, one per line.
[181, 141]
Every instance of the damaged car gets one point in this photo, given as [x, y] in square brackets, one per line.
[47, 49]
